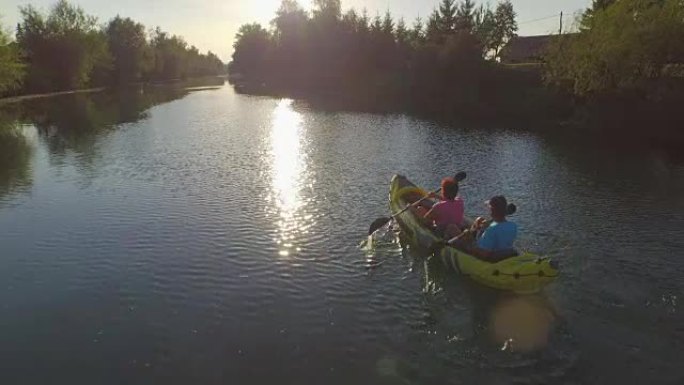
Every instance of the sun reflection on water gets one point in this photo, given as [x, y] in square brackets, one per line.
[289, 177]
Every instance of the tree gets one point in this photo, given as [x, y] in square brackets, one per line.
[129, 49]
[434, 66]
[171, 56]
[628, 48]
[433, 31]
[61, 48]
[351, 21]
[417, 34]
[364, 22]
[252, 42]
[464, 16]
[65, 49]
[596, 6]
[388, 24]
[290, 21]
[290, 39]
[402, 33]
[447, 16]
[505, 26]
[327, 11]
[11, 67]
[484, 28]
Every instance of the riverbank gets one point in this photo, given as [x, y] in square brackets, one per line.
[512, 97]
[193, 84]
[16, 99]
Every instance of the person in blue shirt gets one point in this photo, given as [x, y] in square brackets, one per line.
[496, 237]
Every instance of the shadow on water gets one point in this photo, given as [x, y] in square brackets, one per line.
[513, 336]
[15, 159]
[73, 124]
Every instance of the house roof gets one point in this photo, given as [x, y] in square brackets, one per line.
[525, 48]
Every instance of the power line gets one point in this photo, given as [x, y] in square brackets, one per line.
[540, 19]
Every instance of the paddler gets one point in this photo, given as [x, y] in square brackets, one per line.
[447, 215]
[495, 237]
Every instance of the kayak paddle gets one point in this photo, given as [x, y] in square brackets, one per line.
[382, 221]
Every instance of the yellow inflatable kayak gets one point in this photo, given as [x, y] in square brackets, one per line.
[526, 273]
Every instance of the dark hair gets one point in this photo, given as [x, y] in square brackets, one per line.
[449, 188]
[499, 205]
[511, 209]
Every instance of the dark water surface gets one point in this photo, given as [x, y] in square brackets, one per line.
[170, 237]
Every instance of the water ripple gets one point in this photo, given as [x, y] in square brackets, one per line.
[222, 237]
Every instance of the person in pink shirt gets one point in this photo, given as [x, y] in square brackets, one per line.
[447, 215]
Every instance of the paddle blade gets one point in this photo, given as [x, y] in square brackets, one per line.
[460, 176]
[378, 224]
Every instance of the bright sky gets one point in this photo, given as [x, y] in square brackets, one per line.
[212, 24]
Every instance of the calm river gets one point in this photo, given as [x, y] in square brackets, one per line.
[174, 237]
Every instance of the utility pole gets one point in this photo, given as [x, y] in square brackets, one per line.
[560, 30]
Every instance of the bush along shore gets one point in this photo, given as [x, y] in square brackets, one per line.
[619, 74]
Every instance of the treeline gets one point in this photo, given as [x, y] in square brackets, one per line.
[622, 46]
[625, 66]
[67, 49]
[621, 72]
[445, 64]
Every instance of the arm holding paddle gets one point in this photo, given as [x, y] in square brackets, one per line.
[496, 236]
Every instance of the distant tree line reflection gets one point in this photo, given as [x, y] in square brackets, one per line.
[71, 125]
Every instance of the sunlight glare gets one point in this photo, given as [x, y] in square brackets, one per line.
[286, 157]
[264, 10]
[288, 173]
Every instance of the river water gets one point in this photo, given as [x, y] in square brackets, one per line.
[167, 236]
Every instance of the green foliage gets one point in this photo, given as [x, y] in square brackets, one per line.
[388, 24]
[447, 16]
[596, 6]
[61, 47]
[252, 43]
[465, 16]
[493, 29]
[402, 33]
[417, 33]
[129, 49]
[11, 68]
[505, 26]
[172, 59]
[327, 11]
[290, 22]
[67, 49]
[625, 46]
[437, 65]
[484, 25]
[169, 56]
